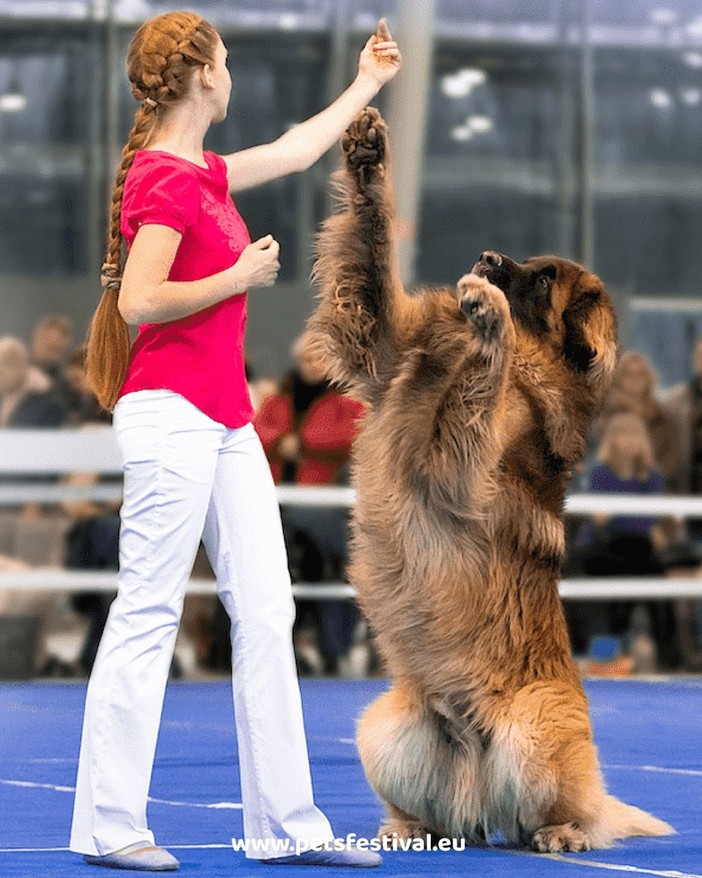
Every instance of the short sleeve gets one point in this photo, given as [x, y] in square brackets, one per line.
[219, 163]
[161, 194]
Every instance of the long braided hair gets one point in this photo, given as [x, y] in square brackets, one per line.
[162, 58]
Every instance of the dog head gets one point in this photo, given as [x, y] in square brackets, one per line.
[560, 303]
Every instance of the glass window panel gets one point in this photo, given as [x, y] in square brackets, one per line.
[668, 340]
[648, 110]
[506, 11]
[494, 103]
[650, 246]
[288, 15]
[490, 173]
[44, 226]
[45, 9]
[44, 106]
[42, 98]
[660, 16]
[456, 227]
[364, 13]
[647, 179]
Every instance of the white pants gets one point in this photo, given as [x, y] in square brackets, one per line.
[187, 477]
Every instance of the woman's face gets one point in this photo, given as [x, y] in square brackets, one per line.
[222, 82]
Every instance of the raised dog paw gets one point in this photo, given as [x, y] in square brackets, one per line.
[555, 839]
[364, 141]
[484, 305]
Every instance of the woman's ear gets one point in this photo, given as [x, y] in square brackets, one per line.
[206, 76]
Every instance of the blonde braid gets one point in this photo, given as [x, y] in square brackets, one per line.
[161, 59]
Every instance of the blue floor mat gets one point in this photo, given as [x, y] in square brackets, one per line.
[649, 736]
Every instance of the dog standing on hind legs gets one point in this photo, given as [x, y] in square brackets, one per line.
[479, 400]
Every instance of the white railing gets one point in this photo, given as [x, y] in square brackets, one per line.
[51, 453]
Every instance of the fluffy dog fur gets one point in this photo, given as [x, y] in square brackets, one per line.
[479, 401]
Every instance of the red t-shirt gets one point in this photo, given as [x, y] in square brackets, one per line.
[200, 356]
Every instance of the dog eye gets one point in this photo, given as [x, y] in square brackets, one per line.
[544, 282]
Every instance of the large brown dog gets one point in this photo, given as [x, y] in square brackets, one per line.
[479, 401]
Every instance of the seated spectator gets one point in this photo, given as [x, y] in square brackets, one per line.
[625, 545]
[259, 388]
[684, 404]
[52, 340]
[27, 395]
[84, 407]
[307, 427]
[635, 391]
[92, 544]
[307, 430]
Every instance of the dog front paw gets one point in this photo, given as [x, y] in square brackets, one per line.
[395, 828]
[484, 305]
[364, 141]
[556, 839]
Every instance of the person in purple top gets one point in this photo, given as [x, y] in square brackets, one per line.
[621, 545]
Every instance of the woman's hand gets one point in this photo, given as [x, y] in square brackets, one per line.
[380, 59]
[258, 264]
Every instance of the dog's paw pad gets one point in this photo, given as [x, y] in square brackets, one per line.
[402, 829]
[364, 141]
[567, 837]
[483, 304]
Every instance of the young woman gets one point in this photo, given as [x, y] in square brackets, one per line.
[193, 465]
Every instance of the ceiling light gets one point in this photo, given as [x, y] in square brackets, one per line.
[480, 124]
[661, 98]
[693, 59]
[461, 83]
[663, 16]
[12, 102]
[691, 96]
[462, 133]
[473, 125]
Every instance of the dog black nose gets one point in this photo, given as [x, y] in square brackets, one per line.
[491, 258]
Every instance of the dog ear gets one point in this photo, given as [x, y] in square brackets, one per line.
[590, 342]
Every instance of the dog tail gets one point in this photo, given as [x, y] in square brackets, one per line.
[620, 820]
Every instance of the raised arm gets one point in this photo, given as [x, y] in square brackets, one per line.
[303, 145]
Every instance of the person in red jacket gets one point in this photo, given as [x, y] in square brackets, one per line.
[307, 430]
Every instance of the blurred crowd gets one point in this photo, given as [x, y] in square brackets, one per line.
[646, 441]
[307, 429]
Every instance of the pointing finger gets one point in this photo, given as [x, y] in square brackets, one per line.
[383, 31]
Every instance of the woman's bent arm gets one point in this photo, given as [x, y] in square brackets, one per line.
[147, 296]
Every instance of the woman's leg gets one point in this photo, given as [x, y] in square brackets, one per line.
[169, 450]
[244, 540]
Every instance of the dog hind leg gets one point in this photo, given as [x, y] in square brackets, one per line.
[426, 778]
[541, 773]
